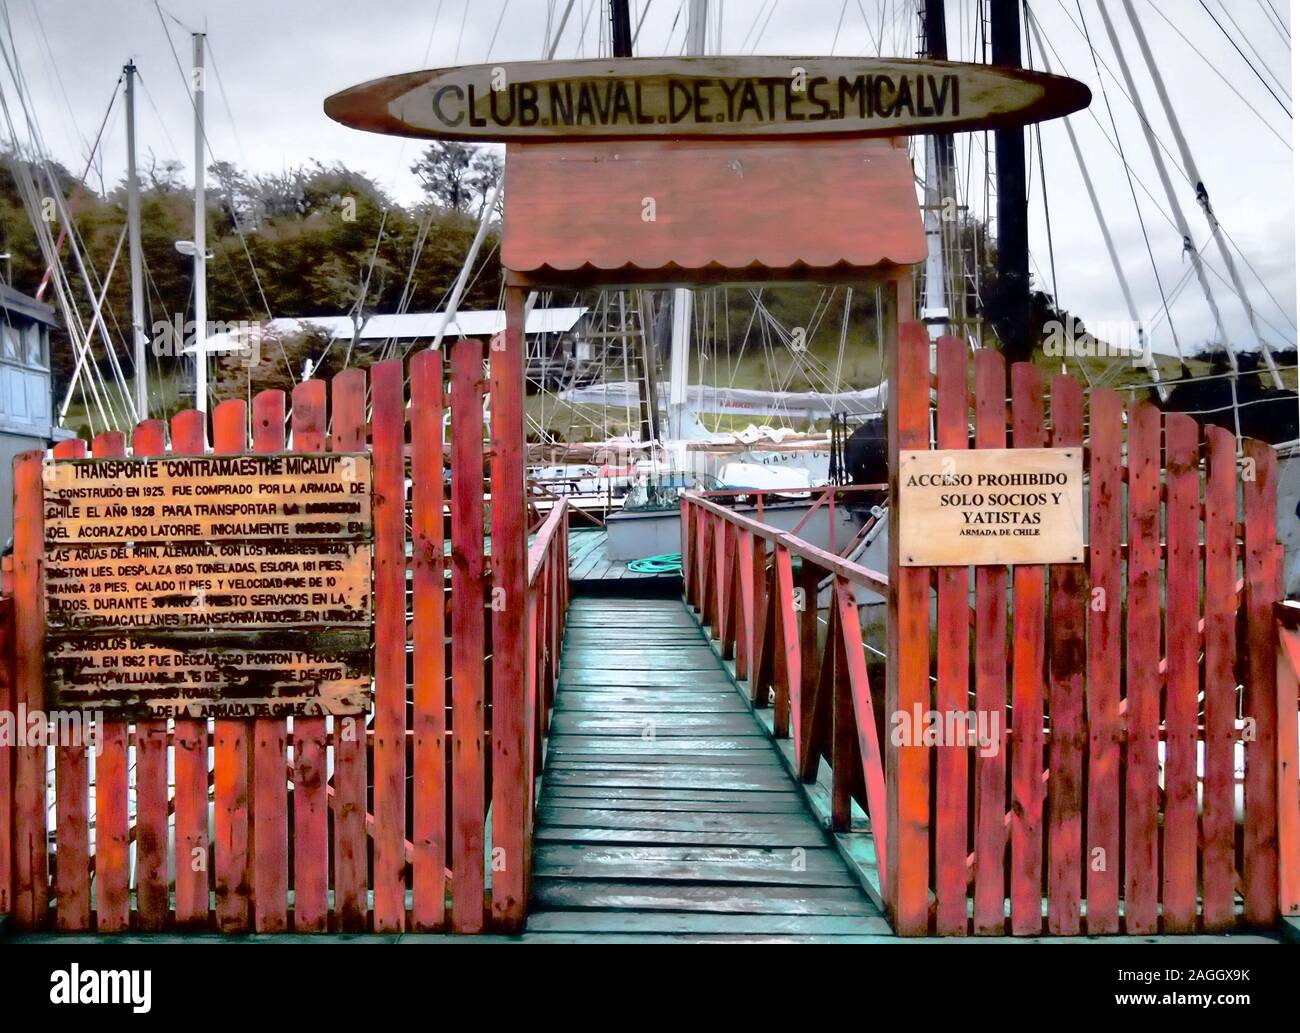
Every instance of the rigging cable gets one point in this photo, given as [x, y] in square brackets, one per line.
[1111, 251]
[1129, 175]
[1162, 170]
[1215, 69]
[1202, 195]
[1182, 171]
[1258, 56]
[1238, 49]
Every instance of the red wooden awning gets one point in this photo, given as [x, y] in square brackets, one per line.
[678, 211]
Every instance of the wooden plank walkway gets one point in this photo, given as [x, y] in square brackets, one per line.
[589, 562]
[665, 809]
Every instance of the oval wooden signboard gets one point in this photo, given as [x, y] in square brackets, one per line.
[704, 97]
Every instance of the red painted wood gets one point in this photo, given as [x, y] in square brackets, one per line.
[1263, 583]
[270, 743]
[151, 817]
[1218, 821]
[1028, 656]
[7, 788]
[510, 775]
[72, 804]
[1067, 658]
[745, 608]
[864, 716]
[348, 434]
[1141, 865]
[952, 760]
[843, 733]
[429, 880]
[990, 671]
[31, 866]
[760, 608]
[311, 854]
[722, 616]
[726, 629]
[1182, 673]
[112, 829]
[700, 558]
[1105, 649]
[908, 886]
[818, 728]
[686, 530]
[232, 748]
[801, 706]
[857, 183]
[467, 636]
[388, 431]
[190, 754]
[786, 645]
[713, 549]
[1288, 764]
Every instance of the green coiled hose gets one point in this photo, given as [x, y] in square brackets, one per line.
[666, 563]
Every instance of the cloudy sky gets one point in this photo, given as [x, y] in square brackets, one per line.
[275, 61]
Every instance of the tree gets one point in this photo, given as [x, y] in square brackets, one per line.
[457, 176]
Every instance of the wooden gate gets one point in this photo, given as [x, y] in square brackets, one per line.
[1135, 787]
[319, 824]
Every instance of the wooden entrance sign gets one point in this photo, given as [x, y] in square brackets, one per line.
[209, 586]
[727, 97]
[990, 506]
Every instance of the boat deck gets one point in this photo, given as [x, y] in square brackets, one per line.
[666, 811]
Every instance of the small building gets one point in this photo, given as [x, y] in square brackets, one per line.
[26, 395]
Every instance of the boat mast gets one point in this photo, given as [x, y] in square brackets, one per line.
[1013, 209]
[620, 36]
[200, 238]
[133, 242]
[683, 299]
[936, 312]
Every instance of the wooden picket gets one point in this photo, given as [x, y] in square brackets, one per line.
[1122, 674]
[292, 798]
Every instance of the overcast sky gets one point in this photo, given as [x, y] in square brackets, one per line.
[276, 60]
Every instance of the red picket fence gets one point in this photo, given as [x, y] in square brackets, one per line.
[739, 575]
[1161, 643]
[400, 826]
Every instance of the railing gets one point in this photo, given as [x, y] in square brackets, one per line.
[1288, 763]
[548, 601]
[740, 576]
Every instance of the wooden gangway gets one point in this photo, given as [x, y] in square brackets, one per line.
[666, 810]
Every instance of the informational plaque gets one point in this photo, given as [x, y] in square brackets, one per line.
[990, 506]
[209, 586]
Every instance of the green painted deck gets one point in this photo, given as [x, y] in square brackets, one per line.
[665, 809]
[589, 562]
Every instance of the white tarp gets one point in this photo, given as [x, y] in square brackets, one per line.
[405, 326]
[702, 398]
